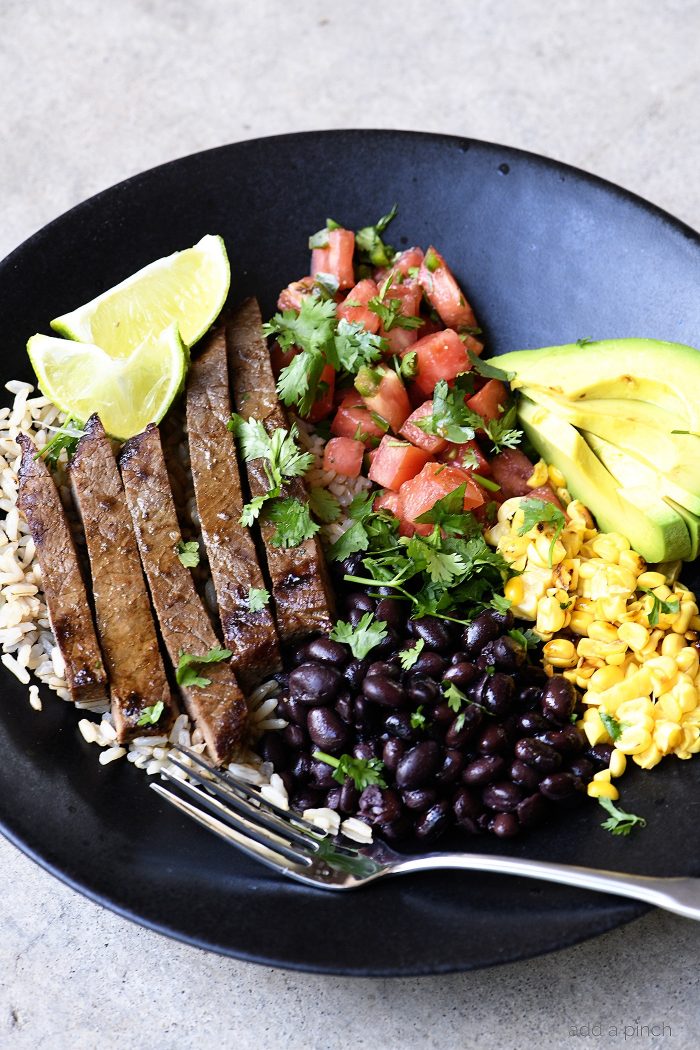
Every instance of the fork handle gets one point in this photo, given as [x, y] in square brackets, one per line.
[678, 895]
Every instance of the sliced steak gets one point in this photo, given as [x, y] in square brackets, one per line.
[218, 709]
[137, 678]
[251, 636]
[300, 585]
[61, 579]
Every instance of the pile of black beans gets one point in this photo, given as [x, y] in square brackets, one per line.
[507, 760]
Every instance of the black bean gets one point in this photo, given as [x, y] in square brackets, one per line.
[600, 755]
[540, 756]
[480, 631]
[460, 657]
[299, 655]
[366, 749]
[418, 765]
[452, 764]
[532, 810]
[433, 632]
[392, 752]
[530, 698]
[504, 620]
[307, 798]
[349, 797]
[345, 707]
[442, 714]
[498, 694]
[560, 786]
[429, 665]
[505, 825]
[483, 770]
[314, 683]
[384, 668]
[568, 739]
[467, 809]
[364, 712]
[384, 691]
[464, 727]
[398, 723]
[582, 768]
[288, 781]
[327, 730]
[493, 740]
[361, 601]
[388, 645]
[397, 830]
[508, 654]
[354, 672]
[422, 691]
[392, 612]
[381, 805]
[292, 710]
[272, 749]
[328, 651]
[295, 737]
[531, 723]
[525, 776]
[559, 699]
[332, 800]
[352, 566]
[502, 796]
[461, 675]
[282, 679]
[419, 799]
[321, 774]
[475, 690]
[354, 615]
[431, 824]
[301, 770]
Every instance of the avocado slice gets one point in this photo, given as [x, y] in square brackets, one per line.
[632, 471]
[653, 527]
[663, 374]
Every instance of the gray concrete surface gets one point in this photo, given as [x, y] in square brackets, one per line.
[93, 92]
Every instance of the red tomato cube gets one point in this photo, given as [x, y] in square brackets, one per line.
[463, 456]
[413, 433]
[387, 501]
[396, 462]
[435, 481]
[410, 259]
[354, 309]
[291, 296]
[336, 258]
[443, 292]
[489, 401]
[323, 405]
[344, 456]
[384, 393]
[354, 420]
[442, 355]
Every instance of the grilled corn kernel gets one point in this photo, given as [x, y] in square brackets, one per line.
[599, 789]
[560, 652]
[602, 632]
[667, 735]
[618, 763]
[639, 711]
[649, 758]
[668, 707]
[649, 580]
[550, 616]
[663, 671]
[563, 495]
[604, 678]
[580, 621]
[633, 740]
[592, 648]
[556, 477]
[596, 732]
[638, 684]
[605, 549]
[688, 660]
[539, 475]
[634, 562]
[634, 635]
[612, 607]
[681, 622]
[514, 590]
[671, 645]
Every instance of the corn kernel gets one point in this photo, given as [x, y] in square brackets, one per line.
[667, 735]
[580, 621]
[604, 678]
[539, 475]
[612, 607]
[639, 711]
[576, 511]
[592, 648]
[688, 660]
[603, 777]
[634, 562]
[618, 763]
[663, 671]
[682, 620]
[560, 652]
[633, 740]
[596, 731]
[563, 495]
[602, 632]
[672, 645]
[550, 616]
[598, 789]
[634, 635]
[687, 695]
[556, 477]
[668, 707]
[514, 590]
[649, 758]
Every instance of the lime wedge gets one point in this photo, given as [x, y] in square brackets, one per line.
[126, 392]
[189, 287]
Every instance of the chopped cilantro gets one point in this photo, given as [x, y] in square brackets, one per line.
[324, 505]
[326, 285]
[451, 418]
[409, 365]
[527, 639]
[500, 603]
[355, 347]
[389, 311]
[292, 520]
[540, 511]
[486, 483]
[619, 822]
[488, 370]
[660, 606]
[188, 553]
[258, 598]
[281, 456]
[418, 718]
[369, 245]
[612, 726]
[365, 772]
[65, 437]
[502, 432]
[584, 342]
[320, 238]
[431, 260]
[150, 715]
[408, 657]
[361, 639]
[187, 668]
[311, 330]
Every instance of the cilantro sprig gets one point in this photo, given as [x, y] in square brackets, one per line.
[150, 716]
[612, 726]
[369, 246]
[542, 512]
[187, 670]
[361, 639]
[409, 657]
[659, 606]
[65, 437]
[188, 553]
[292, 520]
[365, 772]
[258, 598]
[619, 822]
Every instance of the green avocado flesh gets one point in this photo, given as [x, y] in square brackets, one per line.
[651, 525]
[663, 374]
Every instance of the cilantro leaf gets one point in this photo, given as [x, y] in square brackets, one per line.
[188, 664]
[251, 510]
[65, 437]
[320, 238]
[370, 247]
[502, 432]
[352, 541]
[409, 365]
[431, 260]
[281, 456]
[449, 513]
[365, 772]
[542, 512]
[361, 639]
[311, 330]
[188, 553]
[150, 715]
[488, 370]
[258, 598]
[500, 603]
[355, 347]
[660, 606]
[527, 639]
[619, 822]
[457, 701]
[292, 520]
[324, 505]
[408, 657]
[418, 718]
[441, 566]
[612, 726]
[389, 311]
[451, 417]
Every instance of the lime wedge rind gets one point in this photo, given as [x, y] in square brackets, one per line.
[188, 287]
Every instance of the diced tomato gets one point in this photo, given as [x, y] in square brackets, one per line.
[280, 358]
[439, 356]
[443, 292]
[354, 420]
[433, 483]
[336, 258]
[323, 405]
[511, 468]
[410, 259]
[547, 493]
[489, 401]
[387, 501]
[344, 456]
[413, 433]
[383, 392]
[410, 295]
[291, 296]
[360, 314]
[396, 462]
[463, 456]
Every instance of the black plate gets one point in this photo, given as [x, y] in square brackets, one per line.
[547, 255]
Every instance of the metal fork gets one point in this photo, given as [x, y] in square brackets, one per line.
[292, 846]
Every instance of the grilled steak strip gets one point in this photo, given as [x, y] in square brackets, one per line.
[61, 579]
[300, 585]
[218, 709]
[137, 678]
[251, 636]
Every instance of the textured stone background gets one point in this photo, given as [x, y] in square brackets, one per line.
[91, 93]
